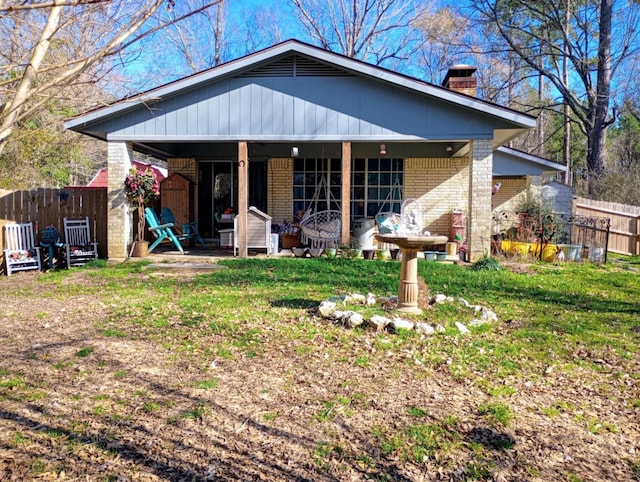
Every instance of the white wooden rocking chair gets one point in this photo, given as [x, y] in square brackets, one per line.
[78, 246]
[321, 229]
[21, 253]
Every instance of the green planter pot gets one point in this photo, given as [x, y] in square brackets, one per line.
[331, 252]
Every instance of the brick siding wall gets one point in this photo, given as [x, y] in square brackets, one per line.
[119, 228]
[439, 186]
[280, 186]
[512, 191]
[186, 167]
[479, 216]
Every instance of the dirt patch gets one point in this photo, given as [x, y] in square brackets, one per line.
[80, 405]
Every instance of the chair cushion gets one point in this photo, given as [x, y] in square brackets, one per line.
[17, 256]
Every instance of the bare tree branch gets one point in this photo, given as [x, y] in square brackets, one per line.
[376, 30]
[100, 31]
[8, 6]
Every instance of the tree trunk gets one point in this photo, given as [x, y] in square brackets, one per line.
[597, 133]
[566, 148]
[11, 111]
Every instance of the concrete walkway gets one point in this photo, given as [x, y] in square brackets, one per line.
[195, 260]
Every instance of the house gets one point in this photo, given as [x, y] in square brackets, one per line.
[520, 174]
[266, 129]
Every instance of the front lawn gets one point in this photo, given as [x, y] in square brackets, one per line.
[124, 373]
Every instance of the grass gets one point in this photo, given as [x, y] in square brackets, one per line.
[496, 413]
[580, 322]
[207, 384]
[84, 352]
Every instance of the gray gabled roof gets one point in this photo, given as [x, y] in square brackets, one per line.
[508, 122]
[512, 162]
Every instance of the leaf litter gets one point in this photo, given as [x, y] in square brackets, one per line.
[133, 409]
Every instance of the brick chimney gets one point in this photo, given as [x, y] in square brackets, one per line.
[461, 78]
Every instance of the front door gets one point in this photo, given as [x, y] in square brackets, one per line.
[218, 193]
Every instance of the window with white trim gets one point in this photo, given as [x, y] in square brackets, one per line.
[307, 174]
[376, 184]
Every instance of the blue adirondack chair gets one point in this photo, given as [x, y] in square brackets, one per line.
[189, 230]
[162, 232]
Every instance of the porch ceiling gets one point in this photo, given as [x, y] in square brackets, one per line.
[229, 150]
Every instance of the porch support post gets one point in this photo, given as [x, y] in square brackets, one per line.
[119, 226]
[479, 219]
[345, 202]
[243, 207]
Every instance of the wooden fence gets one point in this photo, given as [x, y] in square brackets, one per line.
[624, 234]
[48, 207]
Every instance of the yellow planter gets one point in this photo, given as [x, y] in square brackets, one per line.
[520, 248]
[548, 253]
[529, 249]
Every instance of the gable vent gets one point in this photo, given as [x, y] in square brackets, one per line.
[296, 66]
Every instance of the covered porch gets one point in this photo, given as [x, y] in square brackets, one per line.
[361, 179]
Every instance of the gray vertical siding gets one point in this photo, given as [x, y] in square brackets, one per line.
[303, 107]
[297, 91]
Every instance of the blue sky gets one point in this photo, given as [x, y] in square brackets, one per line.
[247, 29]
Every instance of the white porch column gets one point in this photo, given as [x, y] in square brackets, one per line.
[243, 200]
[479, 219]
[119, 232]
[345, 203]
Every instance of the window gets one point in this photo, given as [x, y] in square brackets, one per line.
[376, 184]
[307, 175]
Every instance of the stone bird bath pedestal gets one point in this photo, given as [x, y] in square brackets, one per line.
[409, 246]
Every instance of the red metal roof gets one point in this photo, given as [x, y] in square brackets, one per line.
[100, 179]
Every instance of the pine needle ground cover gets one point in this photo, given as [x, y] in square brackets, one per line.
[122, 373]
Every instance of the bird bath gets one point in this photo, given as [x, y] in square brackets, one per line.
[409, 246]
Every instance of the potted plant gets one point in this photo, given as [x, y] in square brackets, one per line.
[536, 227]
[141, 188]
[351, 250]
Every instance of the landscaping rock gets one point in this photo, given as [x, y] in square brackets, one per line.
[339, 315]
[439, 298]
[388, 299]
[402, 324]
[326, 309]
[425, 328]
[353, 320]
[380, 322]
[477, 322]
[462, 329]
[355, 298]
[488, 315]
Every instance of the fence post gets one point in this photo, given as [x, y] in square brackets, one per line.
[637, 235]
[606, 244]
